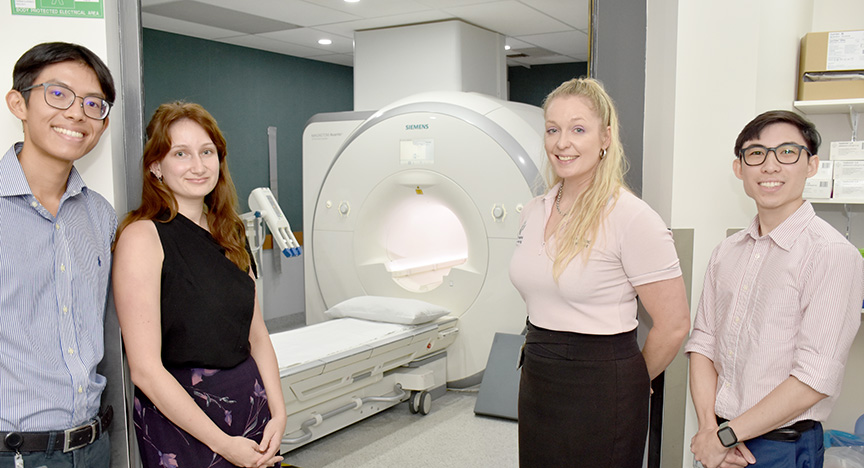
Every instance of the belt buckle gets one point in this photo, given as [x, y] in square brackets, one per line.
[69, 433]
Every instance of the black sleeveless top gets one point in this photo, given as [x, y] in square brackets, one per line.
[207, 302]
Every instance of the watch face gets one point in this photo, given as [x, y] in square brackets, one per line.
[727, 436]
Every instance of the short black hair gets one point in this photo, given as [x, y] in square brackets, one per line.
[753, 129]
[31, 64]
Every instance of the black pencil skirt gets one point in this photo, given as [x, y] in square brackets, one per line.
[583, 400]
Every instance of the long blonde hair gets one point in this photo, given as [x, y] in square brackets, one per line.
[577, 233]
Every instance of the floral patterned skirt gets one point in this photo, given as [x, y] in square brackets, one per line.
[233, 398]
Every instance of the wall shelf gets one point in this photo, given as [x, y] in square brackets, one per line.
[834, 201]
[831, 106]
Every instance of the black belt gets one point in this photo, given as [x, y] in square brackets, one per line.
[785, 434]
[66, 441]
[790, 433]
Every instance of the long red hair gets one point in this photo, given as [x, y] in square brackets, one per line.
[220, 204]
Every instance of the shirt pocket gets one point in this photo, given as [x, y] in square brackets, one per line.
[775, 315]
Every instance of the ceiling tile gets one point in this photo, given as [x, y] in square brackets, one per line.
[374, 9]
[510, 18]
[454, 3]
[185, 28]
[565, 43]
[547, 60]
[292, 11]
[211, 15]
[347, 29]
[516, 43]
[575, 13]
[309, 37]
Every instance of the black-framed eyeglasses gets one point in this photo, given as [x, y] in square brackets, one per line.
[787, 153]
[61, 97]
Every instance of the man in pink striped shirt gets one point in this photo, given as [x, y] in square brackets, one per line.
[779, 310]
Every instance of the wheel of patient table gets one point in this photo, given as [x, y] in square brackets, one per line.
[420, 402]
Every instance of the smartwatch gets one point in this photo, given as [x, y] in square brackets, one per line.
[727, 436]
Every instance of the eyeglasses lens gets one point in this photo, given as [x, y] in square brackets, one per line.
[786, 154]
[61, 97]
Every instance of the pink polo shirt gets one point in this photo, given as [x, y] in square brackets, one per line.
[787, 303]
[598, 297]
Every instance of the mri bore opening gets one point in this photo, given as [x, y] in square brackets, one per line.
[424, 240]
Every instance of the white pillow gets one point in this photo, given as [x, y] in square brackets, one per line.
[387, 309]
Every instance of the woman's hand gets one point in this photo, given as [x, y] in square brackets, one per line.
[240, 451]
[270, 442]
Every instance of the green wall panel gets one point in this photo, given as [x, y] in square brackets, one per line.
[531, 85]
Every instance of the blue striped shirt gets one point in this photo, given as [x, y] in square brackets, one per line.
[54, 278]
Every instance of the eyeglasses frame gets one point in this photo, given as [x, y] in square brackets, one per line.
[75, 96]
[774, 150]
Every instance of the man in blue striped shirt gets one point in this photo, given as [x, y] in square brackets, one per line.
[55, 259]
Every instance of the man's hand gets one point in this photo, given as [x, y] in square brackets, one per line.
[738, 457]
[707, 449]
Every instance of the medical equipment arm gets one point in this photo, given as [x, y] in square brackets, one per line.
[263, 203]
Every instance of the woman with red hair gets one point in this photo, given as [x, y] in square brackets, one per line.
[207, 390]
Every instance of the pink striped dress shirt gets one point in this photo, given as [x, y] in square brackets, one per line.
[787, 303]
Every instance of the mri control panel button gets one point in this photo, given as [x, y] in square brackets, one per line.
[498, 212]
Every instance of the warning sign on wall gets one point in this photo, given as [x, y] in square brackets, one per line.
[64, 8]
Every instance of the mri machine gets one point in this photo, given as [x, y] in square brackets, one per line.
[418, 201]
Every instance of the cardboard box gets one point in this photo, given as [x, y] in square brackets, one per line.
[825, 171]
[848, 170]
[817, 188]
[852, 189]
[847, 150]
[831, 53]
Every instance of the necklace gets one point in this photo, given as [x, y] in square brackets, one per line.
[558, 199]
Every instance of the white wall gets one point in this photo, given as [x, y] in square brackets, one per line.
[20, 33]
[393, 63]
[712, 67]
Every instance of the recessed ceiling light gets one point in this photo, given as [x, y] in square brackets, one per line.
[325, 41]
[506, 47]
[351, 1]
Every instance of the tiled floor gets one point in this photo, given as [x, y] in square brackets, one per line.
[449, 436]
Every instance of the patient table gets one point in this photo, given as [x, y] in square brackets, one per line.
[338, 372]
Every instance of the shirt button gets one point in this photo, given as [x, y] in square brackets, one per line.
[70, 351]
[757, 255]
[730, 352]
[737, 319]
[57, 226]
[65, 310]
[80, 389]
[62, 267]
[34, 204]
[744, 287]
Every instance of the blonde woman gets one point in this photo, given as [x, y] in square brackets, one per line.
[587, 249]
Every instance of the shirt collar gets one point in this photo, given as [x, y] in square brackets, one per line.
[553, 192]
[785, 234]
[15, 182]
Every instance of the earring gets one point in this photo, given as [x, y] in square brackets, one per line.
[159, 177]
[602, 153]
